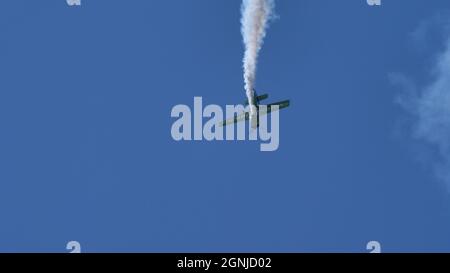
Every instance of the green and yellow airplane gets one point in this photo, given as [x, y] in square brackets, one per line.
[259, 112]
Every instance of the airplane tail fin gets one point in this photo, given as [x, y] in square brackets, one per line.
[258, 99]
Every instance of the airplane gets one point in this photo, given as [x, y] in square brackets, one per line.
[260, 112]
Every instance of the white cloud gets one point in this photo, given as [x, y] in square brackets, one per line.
[430, 108]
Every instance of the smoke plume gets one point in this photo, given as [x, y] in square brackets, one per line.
[255, 17]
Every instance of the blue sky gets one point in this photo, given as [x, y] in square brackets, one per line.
[86, 152]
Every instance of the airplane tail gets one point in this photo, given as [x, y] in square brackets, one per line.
[258, 99]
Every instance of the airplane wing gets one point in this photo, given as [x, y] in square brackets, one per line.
[246, 116]
[237, 118]
[269, 109]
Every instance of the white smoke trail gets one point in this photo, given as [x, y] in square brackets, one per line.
[255, 17]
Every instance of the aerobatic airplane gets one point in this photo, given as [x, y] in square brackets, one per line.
[259, 111]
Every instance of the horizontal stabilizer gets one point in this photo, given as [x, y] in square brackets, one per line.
[258, 99]
[262, 97]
